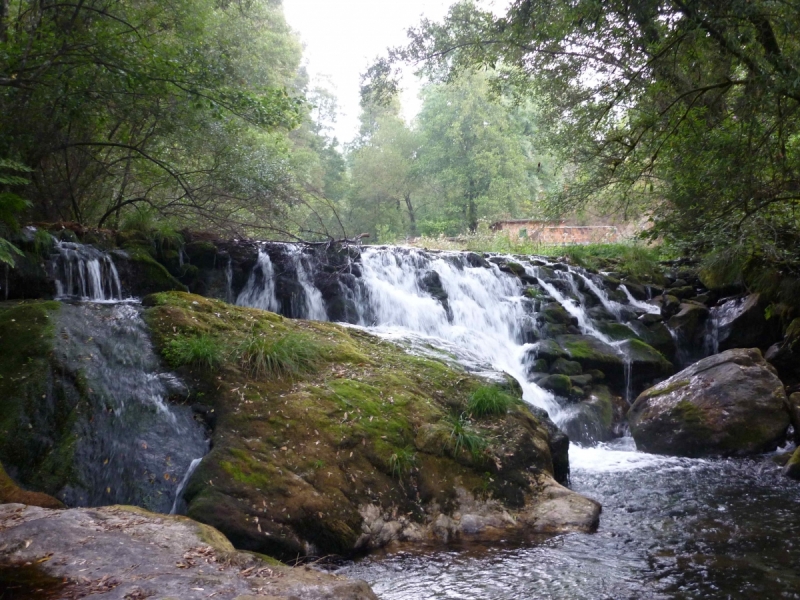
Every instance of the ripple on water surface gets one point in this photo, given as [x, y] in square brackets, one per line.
[670, 528]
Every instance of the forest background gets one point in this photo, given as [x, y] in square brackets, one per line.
[196, 114]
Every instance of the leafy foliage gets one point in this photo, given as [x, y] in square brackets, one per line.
[178, 107]
[685, 112]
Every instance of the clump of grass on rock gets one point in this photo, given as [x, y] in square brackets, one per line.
[288, 356]
[196, 350]
[489, 401]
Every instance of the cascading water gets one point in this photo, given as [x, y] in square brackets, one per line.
[259, 291]
[84, 272]
[132, 446]
[314, 305]
[480, 322]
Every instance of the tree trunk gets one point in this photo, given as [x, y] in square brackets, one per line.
[412, 218]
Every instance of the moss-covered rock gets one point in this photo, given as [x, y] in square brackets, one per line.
[593, 420]
[560, 385]
[366, 446]
[141, 274]
[792, 468]
[727, 404]
[563, 366]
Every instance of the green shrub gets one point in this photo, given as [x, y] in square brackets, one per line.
[198, 351]
[489, 400]
[288, 356]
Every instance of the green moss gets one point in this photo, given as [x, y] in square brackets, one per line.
[668, 389]
[152, 275]
[616, 331]
[689, 414]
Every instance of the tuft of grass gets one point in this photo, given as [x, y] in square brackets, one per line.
[198, 351]
[288, 356]
[464, 437]
[402, 462]
[489, 401]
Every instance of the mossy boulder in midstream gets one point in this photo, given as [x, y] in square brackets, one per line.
[731, 403]
[345, 442]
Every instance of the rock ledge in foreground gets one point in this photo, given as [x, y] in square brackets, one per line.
[731, 403]
[121, 552]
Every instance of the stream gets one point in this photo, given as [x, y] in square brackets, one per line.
[671, 528]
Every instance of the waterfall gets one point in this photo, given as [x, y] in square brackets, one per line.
[84, 272]
[645, 306]
[259, 291]
[178, 502]
[132, 446]
[314, 306]
[229, 281]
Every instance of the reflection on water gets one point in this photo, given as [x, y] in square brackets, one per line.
[671, 528]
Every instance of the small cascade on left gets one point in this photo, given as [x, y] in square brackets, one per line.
[83, 272]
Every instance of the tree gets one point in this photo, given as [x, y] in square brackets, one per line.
[177, 107]
[478, 154]
[686, 109]
[384, 175]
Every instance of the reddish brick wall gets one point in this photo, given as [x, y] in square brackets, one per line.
[559, 234]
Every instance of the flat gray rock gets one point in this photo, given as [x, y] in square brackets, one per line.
[124, 553]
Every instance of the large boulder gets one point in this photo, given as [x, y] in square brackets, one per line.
[731, 403]
[360, 446]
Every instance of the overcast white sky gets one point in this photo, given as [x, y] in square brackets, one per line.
[343, 37]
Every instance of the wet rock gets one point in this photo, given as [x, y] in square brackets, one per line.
[670, 305]
[637, 290]
[792, 468]
[743, 324]
[592, 353]
[513, 268]
[476, 260]
[682, 292]
[599, 313]
[785, 355]
[560, 385]
[656, 335]
[132, 553]
[794, 414]
[548, 350]
[563, 366]
[727, 404]
[592, 420]
[556, 314]
[650, 319]
[431, 282]
[581, 380]
[689, 327]
[647, 363]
